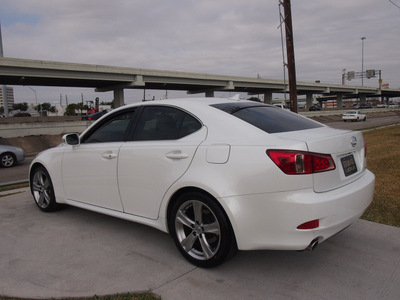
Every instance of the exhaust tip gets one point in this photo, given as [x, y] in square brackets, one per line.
[313, 244]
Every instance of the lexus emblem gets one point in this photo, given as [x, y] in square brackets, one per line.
[353, 141]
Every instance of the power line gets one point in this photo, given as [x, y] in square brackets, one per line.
[394, 4]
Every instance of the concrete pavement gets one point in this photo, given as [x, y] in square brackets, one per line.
[74, 252]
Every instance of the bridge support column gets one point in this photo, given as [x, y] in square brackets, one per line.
[309, 100]
[119, 98]
[339, 100]
[210, 94]
[363, 99]
[268, 97]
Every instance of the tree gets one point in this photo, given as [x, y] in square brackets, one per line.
[20, 106]
[70, 110]
[45, 107]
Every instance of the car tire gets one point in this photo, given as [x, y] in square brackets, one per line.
[365, 119]
[7, 160]
[42, 190]
[201, 230]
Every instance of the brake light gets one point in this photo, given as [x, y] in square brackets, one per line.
[301, 162]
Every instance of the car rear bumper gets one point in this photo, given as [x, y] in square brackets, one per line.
[270, 220]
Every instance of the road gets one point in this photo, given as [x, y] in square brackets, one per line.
[369, 123]
[16, 173]
[20, 172]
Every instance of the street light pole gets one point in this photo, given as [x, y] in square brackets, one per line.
[3, 87]
[362, 61]
[35, 94]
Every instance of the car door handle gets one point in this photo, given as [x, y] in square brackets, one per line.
[109, 155]
[177, 154]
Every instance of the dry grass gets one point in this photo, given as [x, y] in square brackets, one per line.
[384, 161]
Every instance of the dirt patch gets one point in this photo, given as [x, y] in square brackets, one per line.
[33, 144]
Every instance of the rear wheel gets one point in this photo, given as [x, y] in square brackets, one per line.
[42, 190]
[201, 230]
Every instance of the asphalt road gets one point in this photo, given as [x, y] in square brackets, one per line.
[369, 123]
[17, 173]
[73, 253]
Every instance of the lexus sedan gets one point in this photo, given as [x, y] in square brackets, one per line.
[354, 116]
[219, 175]
[10, 155]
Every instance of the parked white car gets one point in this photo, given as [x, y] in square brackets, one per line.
[354, 115]
[219, 175]
[281, 105]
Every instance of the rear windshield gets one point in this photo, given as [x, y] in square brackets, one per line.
[267, 118]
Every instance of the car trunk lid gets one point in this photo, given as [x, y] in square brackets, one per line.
[347, 149]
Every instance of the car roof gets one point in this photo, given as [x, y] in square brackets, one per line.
[194, 103]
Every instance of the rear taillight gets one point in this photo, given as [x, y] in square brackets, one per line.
[300, 162]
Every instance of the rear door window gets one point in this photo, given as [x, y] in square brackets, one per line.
[268, 118]
[164, 123]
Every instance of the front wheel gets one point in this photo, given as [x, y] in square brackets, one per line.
[42, 190]
[7, 160]
[201, 230]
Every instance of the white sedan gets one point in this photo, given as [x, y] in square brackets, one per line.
[354, 115]
[217, 174]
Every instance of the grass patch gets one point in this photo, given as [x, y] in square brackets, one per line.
[127, 296]
[13, 187]
[383, 160]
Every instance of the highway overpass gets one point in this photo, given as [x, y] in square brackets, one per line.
[15, 71]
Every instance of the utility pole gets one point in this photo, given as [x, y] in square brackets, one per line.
[290, 55]
[4, 88]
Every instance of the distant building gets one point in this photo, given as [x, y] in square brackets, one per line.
[10, 97]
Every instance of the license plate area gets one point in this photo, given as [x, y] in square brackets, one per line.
[349, 165]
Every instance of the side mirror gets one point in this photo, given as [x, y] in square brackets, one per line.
[71, 139]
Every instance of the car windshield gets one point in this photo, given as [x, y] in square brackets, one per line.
[267, 118]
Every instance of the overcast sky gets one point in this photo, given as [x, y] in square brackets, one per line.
[228, 37]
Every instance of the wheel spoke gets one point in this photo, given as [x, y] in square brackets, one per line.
[41, 179]
[208, 253]
[46, 197]
[212, 228]
[35, 186]
[40, 199]
[188, 242]
[197, 210]
[184, 220]
[46, 184]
